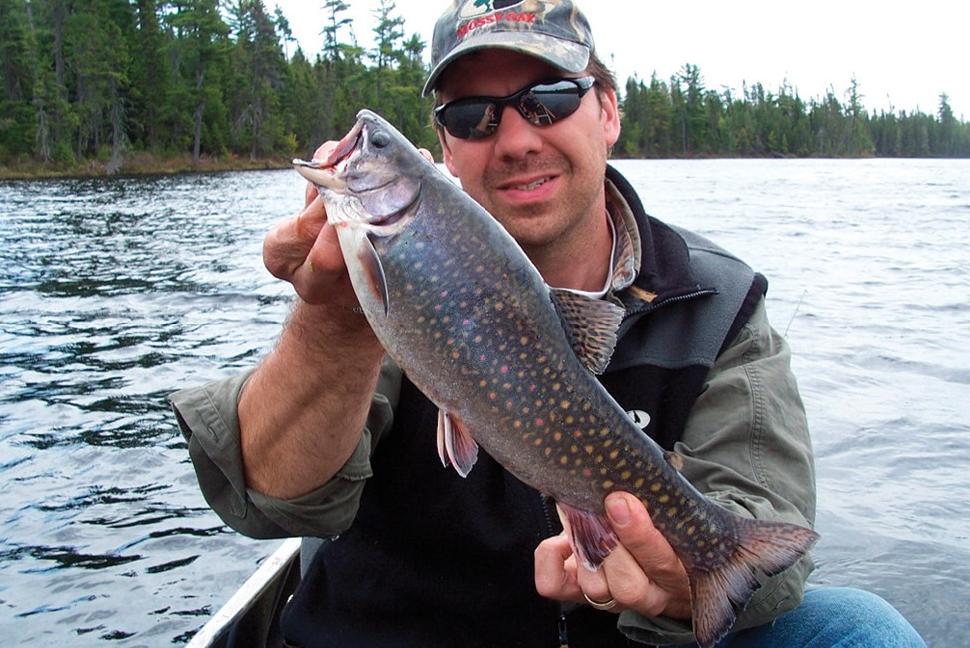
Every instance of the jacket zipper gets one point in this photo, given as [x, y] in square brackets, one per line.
[551, 531]
[626, 323]
[670, 300]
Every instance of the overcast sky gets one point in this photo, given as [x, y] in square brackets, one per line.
[902, 54]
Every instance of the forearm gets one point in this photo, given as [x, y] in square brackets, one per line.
[302, 411]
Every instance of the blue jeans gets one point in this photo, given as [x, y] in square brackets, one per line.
[830, 617]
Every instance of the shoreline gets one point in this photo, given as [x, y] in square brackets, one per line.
[140, 164]
[147, 164]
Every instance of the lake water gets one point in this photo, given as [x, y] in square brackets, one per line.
[114, 293]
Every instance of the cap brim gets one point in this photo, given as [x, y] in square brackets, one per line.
[565, 55]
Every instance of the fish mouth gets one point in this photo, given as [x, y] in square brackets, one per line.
[345, 147]
[327, 173]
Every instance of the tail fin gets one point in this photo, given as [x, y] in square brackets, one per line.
[768, 547]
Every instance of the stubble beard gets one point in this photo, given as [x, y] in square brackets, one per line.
[540, 228]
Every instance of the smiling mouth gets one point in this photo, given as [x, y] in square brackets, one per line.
[527, 186]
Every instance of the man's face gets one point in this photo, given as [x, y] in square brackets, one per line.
[543, 183]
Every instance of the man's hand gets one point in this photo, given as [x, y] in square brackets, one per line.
[642, 573]
[304, 251]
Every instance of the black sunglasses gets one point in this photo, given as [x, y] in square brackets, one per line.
[541, 104]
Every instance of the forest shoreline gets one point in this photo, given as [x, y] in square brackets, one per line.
[148, 164]
[141, 164]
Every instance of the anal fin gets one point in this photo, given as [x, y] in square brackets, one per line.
[456, 447]
[590, 534]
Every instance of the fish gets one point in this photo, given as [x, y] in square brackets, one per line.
[511, 364]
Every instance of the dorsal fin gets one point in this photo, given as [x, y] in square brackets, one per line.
[590, 325]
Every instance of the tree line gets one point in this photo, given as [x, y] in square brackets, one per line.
[106, 80]
[681, 117]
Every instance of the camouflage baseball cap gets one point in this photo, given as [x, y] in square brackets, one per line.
[552, 30]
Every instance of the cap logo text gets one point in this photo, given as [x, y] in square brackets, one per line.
[494, 18]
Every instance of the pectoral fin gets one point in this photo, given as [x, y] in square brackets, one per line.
[370, 261]
[456, 447]
[590, 325]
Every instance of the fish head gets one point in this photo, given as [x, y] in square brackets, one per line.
[374, 175]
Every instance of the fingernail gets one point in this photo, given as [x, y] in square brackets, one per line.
[618, 510]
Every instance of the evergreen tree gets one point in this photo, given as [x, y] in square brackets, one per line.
[859, 139]
[283, 30]
[333, 48]
[258, 59]
[948, 140]
[388, 34]
[96, 57]
[151, 118]
[299, 102]
[17, 79]
[633, 119]
[658, 122]
[201, 40]
[693, 118]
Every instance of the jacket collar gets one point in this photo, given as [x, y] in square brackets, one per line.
[660, 254]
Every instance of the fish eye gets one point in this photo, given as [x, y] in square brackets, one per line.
[380, 139]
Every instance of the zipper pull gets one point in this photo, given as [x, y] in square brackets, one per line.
[563, 631]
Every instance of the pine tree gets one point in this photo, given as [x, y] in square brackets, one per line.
[151, 120]
[17, 80]
[388, 33]
[201, 40]
[259, 60]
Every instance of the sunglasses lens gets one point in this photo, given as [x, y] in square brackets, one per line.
[548, 103]
[541, 104]
[472, 119]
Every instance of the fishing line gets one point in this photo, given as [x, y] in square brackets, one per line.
[794, 314]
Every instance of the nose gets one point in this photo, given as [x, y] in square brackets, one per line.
[516, 138]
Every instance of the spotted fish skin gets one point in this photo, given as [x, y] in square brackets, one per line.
[461, 309]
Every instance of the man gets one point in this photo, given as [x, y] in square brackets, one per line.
[322, 441]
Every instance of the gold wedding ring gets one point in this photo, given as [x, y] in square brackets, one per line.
[605, 605]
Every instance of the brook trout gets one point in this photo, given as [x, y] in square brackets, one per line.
[509, 361]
